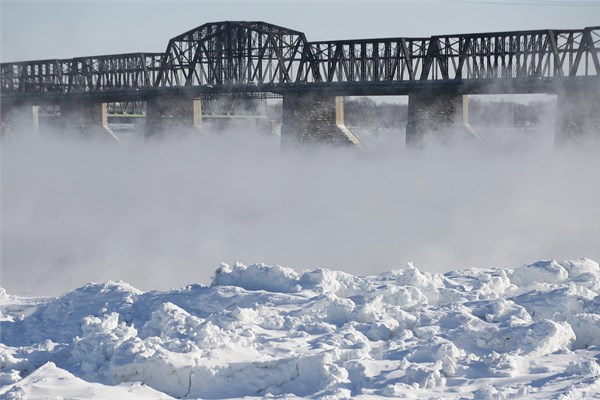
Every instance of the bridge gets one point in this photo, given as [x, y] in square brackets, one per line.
[258, 60]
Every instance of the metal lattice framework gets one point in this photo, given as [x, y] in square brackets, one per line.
[82, 74]
[368, 60]
[261, 57]
[534, 54]
[228, 53]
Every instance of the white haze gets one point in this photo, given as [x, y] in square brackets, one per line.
[166, 214]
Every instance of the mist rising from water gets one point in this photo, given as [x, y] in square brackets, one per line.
[166, 214]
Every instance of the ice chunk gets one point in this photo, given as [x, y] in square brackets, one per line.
[257, 277]
[51, 382]
[101, 337]
[539, 338]
[61, 317]
[587, 330]
[405, 297]
[587, 368]
[170, 321]
[336, 282]
[540, 272]
[581, 266]
[424, 377]
[557, 304]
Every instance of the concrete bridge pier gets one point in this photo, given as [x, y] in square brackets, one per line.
[578, 116]
[314, 119]
[172, 116]
[17, 119]
[438, 117]
[87, 119]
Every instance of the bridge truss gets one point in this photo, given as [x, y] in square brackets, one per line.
[229, 53]
[259, 57]
[512, 55]
[82, 74]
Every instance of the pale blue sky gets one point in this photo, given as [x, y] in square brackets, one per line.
[63, 29]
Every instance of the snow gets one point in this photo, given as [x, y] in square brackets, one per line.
[268, 331]
[51, 382]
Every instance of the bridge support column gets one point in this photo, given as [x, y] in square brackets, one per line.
[314, 119]
[578, 116]
[86, 119]
[171, 116]
[19, 119]
[437, 116]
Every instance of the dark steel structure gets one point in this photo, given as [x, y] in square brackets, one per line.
[230, 53]
[257, 57]
[81, 75]
[505, 55]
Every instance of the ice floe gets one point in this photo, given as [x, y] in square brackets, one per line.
[269, 331]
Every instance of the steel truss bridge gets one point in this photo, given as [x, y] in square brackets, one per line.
[251, 58]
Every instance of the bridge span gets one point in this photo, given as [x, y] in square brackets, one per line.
[258, 59]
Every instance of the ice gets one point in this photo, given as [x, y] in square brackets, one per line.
[51, 382]
[257, 277]
[587, 330]
[540, 272]
[335, 282]
[268, 331]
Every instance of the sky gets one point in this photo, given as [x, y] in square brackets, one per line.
[33, 30]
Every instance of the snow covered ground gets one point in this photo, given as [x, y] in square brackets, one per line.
[268, 331]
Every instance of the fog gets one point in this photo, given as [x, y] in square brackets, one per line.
[167, 213]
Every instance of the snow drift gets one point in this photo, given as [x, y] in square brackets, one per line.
[267, 331]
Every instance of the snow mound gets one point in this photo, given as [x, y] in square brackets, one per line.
[582, 271]
[51, 382]
[265, 331]
[539, 272]
[257, 277]
[61, 317]
[334, 282]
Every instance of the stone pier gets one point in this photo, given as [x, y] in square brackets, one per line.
[438, 117]
[173, 116]
[578, 116]
[314, 119]
[87, 119]
[17, 119]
